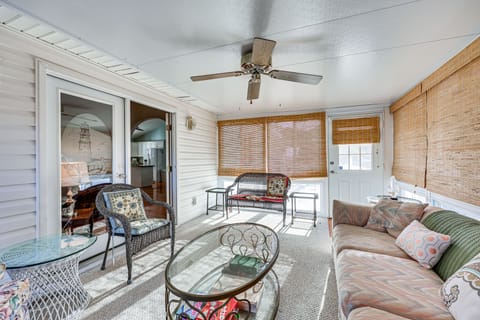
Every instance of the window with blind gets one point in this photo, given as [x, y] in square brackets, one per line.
[293, 145]
[296, 145]
[410, 147]
[354, 139]
[241, 146]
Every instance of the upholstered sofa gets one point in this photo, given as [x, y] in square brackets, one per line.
[378, 280]
[259, 190]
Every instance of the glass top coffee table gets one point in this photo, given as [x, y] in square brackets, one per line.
[225, 271]
[51, 265]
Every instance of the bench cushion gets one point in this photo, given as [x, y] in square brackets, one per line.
[250, 197]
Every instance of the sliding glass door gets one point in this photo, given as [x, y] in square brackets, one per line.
[84, 144]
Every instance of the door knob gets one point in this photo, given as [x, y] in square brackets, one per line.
[332, 171]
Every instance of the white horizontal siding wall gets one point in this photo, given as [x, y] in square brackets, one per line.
[17, 146]
[196, 149]
[196, 162]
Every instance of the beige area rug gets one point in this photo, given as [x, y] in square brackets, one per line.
[304, 268]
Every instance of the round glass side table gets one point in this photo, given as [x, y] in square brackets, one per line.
[51, 265]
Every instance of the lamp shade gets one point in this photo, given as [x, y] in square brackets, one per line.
[74, 174]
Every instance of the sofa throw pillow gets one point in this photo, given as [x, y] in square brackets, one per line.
[422, 244]
[126, 202]
[275, 186]
[393, 216]
[461, 292]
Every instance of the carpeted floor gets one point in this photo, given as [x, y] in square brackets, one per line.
[304, 268]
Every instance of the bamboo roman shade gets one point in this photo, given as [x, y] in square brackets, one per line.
[241, 146]
[437, 129]
[453, 109]
[410, 136]
[296, 145]
[356, 130]
[293, 145]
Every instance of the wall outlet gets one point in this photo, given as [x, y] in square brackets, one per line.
[194, 201]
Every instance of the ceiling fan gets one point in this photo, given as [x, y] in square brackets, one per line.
[257, 62]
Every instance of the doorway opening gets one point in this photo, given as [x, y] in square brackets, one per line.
[149, 153]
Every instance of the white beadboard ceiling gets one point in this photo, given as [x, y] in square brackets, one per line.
[370, 52]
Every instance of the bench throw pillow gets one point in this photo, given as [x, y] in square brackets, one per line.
[275, 186]
[461, 292]
[393, 216]
[126, 202]
[423, 245]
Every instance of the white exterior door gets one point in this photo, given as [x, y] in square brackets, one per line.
[79, 125]
[355, 170]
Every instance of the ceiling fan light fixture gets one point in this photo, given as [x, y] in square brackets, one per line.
[258, 62]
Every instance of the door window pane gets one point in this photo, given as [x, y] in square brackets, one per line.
[343, 149]
[355, 156]
[354, 148]
[355, 162]
[343, 162]
[86, 157]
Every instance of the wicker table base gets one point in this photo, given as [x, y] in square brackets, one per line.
[57, 292]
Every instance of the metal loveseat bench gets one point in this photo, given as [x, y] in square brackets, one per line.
[259, 190]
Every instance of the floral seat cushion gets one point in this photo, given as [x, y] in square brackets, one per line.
[143, 226]
[13, 298]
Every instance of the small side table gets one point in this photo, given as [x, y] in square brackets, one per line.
[375, 199]
[50, 263]
[81, 217]
[217, 191]
[305, 195]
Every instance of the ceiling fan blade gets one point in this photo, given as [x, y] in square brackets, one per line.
[253, 87]
[217, 75]
[262, 51]
[295, 76]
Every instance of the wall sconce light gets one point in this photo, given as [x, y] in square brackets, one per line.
[190, 123]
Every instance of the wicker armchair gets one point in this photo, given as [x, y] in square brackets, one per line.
[138, 232]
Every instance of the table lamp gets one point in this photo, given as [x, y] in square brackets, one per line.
[74, 174]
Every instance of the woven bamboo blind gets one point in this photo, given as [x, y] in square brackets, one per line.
[241, 146]
[296, 145]
[410, 147]
[453, 109]
[356, 130]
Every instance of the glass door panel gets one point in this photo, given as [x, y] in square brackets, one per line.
[83, 146]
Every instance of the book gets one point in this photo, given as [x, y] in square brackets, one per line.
[253, 295]
[184, 312]
[228, 312]
[244, 265]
